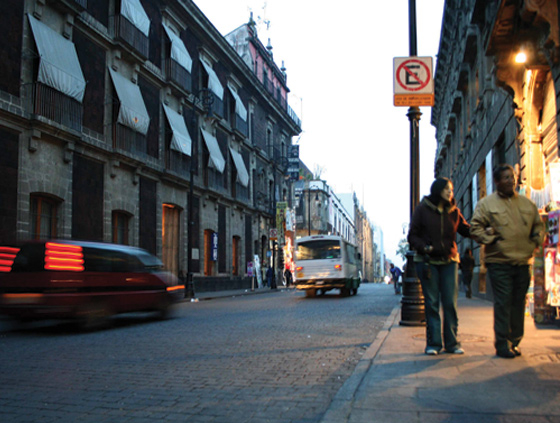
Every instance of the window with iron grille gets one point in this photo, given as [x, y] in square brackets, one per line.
[120, 227]
[43, 217]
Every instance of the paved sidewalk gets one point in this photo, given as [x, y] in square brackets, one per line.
[396, 382]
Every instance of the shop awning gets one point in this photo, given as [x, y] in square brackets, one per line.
[216, 158]
[132, 112]
[59, 67]
[181, 139]
[242, 174]
[239, 106]
[179, 52]
[135, 13]
[213, 82]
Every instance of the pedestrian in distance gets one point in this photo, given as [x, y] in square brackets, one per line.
[432, 234]
[467, 266]
[510, 228]
[265, 276]
[395, 276]
[270, 277]
[288, 277]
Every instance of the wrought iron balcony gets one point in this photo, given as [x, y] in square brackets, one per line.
[129, 141]
[126, 31]
[179, 75]
[56, 106]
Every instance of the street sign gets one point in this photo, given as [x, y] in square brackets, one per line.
[413, 84]
[293, 162]
[214, 246]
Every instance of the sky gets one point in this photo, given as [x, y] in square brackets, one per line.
[339, 63]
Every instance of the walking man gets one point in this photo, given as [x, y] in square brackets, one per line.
[509, 226]
[396, 275]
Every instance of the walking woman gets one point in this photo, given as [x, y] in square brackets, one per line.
[433, 231]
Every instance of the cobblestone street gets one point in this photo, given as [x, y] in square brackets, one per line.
[274, 357]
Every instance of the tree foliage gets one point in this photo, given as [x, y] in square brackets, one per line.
[403, 248]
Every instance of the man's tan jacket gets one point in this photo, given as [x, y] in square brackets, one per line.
[518, 228]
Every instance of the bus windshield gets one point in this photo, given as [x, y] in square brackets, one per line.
[318, 250]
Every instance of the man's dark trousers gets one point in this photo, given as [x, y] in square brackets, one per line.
[509, 285]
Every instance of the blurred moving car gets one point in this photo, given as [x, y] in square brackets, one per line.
[85, 281]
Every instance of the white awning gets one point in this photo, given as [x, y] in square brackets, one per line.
[216, 158]
[242, 174]
[213, 82]
[59, 66]
[239, 106]
[181, 140]
[178, 50]
[135, 13]
[132, 112]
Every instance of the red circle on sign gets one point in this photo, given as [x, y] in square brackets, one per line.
[422, 84]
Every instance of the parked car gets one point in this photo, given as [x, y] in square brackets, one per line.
[85, 281]
[325, 262]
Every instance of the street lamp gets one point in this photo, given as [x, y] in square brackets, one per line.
[413, 311]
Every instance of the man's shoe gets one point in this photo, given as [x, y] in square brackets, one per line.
[505, 354]
[432, 351]
[516, 351]
[456, 351]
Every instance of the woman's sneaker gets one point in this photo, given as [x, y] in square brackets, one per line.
[432, 351]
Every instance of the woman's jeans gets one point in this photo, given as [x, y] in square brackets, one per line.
[439, 283]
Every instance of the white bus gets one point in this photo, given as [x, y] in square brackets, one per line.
[325, 262]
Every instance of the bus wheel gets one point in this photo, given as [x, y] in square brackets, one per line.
[354, 291]
[310, 293]
[344, 292]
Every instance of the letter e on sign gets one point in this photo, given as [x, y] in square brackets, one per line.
[413, 84]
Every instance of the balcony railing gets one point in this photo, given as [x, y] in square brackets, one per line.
[128, 140]
[56, 106]
[126, 31]
[215, 181]
[179, 75]
[178, 163]
[241, 193]
[217, 105]
[294, 117]
[241, 125]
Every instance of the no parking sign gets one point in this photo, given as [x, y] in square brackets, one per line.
[413, 84]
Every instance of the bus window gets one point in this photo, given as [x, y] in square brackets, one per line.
[351, 254]
[318, 250]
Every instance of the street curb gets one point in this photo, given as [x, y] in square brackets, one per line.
[341, 406]
[205, 296]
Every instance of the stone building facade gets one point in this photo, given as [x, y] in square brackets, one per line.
[490, 108]
[136, 122]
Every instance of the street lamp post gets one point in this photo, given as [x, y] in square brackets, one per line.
[412, 311]
[308, 209]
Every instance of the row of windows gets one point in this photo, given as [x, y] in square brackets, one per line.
[44, 220]
[44, 217]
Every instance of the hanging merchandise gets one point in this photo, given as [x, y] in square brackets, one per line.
[552, 282]
[552, 227]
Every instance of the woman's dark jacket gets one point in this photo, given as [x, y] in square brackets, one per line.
[429, 226]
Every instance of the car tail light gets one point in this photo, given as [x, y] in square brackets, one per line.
[338, 267]
[175, 288]
[299, 268]
[7, 256]
[64, 257]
